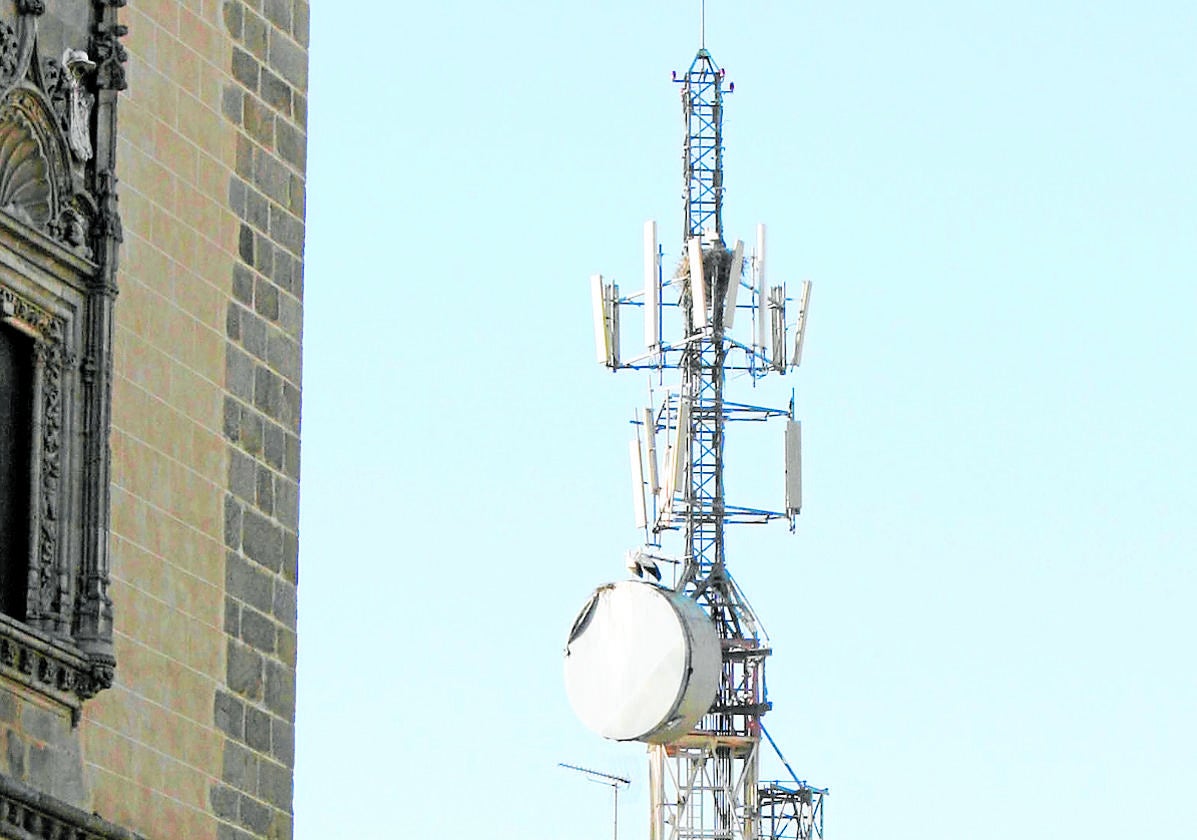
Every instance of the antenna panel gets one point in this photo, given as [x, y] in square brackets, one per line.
[777, 311]
[793, 467]
[652, 288]
[734, 271]
[637, 482]
[598, 304]
[800, 329]
[698, 286]
[612, 296]
[681, 445]
[650, 439]
[762, 316]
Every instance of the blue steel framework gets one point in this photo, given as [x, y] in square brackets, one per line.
[706, 785]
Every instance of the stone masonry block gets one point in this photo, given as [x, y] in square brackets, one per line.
[232, 617]
[253, 334]
[290, 316]
[275, 446]
[232, 322]
[229, 715]
[282, 740]
[276, 93]
[257, 209]
[245, 670]
[286, 503]
[278, 12]
[266, 299]
[291, 557]
[257, 730]
[292, 144]
[254, 34]
[267, 391]
[224, 801]
[265, 490]
[239, 374]
[252, 431]
[245, 68]
[243, 285]
[280, 690]
[258, 120]
[291, 462]
[231, 104]
[255, 816]
[245, 244]
[285, 604]
[262, 540]
[286, 647]
[241, 475]
[248, 583]
[240, 768]
[234, 17]
[289, 60]
[300, 22]
[274, 785]
[282, 354]
[257, 631]
[232, 522]
[231, 418]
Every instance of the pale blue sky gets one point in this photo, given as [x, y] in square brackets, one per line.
[985, 623]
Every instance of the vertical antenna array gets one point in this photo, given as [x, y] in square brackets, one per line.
[705, 785]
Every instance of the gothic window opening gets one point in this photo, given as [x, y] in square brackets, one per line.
[16, 443]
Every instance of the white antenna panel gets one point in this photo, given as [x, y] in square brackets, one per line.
[733, 285]
[637, 483]
[652, 289]
[650, 438]
[800, 329]
[598, 303]
[681, 445]
[698, 288]
[762, 315]
[793, 467]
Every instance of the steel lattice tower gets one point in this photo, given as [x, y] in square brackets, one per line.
[706, 785]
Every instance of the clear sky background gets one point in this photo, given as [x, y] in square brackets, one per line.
[985, 623]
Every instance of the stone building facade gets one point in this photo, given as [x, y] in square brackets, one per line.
[152, 187]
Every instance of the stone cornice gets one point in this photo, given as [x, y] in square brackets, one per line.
[28, 814]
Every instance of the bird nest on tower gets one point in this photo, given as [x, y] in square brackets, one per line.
[716, 268]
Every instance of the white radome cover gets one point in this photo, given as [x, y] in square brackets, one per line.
[642, 663]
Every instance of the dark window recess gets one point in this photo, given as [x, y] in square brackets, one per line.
[16, 444]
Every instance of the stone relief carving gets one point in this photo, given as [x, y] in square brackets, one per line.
[24, 174]
[77, 65]
[57, 161]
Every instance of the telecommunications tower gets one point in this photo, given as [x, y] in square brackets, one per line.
[680, 665]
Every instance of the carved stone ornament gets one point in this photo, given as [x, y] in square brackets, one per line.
[59, 236]
[32, 815]
[77, 65]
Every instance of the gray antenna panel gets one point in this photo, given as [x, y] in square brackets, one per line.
[793, 467]
[777, 312]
